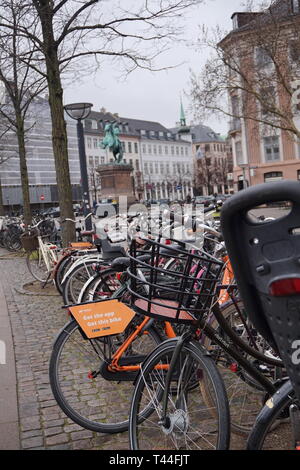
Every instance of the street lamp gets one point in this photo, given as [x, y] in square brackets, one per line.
[79, 111]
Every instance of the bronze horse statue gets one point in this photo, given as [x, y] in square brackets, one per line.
[112, 141]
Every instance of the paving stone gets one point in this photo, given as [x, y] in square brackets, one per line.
[57, 439]
[31, 442]
[81, 435]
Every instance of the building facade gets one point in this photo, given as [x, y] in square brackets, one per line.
[264, 81]
[162, 164]
[40, 160]
[212, 160]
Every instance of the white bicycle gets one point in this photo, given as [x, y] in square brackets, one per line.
[41, 255]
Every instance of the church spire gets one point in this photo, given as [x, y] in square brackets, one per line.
[182, 114]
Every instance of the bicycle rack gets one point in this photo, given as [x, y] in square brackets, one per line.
[265, 257]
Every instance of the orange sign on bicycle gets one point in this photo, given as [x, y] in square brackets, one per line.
[110, 317]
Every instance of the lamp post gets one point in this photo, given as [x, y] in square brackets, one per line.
[80, 111]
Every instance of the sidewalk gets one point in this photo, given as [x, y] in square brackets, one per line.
[9, 425]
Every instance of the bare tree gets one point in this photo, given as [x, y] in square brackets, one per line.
[22, 85]
[4, 157]
[69, 31]
[248, 76]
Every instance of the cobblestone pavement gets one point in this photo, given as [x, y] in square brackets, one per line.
[35, 322]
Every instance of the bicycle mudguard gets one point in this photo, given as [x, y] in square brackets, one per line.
[265, 257]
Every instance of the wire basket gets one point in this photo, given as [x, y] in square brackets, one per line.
[175, 284]
[29, 241]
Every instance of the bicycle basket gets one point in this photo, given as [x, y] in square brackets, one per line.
[265, 257]
[175, 284]
[29, 241]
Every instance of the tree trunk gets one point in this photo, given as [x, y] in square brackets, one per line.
[23, 168]
[2, 212]
[59, 131]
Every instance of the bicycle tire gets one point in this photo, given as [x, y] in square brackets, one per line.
[76, 393]
[102, 285]
[36, 266]
[246, 397]
[76, 280]
[60, 269]
[156, 437]
[272, 426]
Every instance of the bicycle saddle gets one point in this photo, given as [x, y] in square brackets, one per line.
[111, 252]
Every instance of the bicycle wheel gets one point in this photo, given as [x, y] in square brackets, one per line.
[272, 429]
[101, 286]
[76, 280]
[63, 264]
[36, 265]
[190, 423]
[77, 376]
[245, 395]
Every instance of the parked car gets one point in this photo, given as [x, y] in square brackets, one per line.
[52, 212]
[205, 200]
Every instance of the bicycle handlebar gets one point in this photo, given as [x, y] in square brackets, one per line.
[74, 221]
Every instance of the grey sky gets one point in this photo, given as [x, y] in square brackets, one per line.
[156, 96]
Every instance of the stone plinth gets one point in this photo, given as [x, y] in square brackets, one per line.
[116, 180]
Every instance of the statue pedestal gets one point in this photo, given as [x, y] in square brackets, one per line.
[116, 181]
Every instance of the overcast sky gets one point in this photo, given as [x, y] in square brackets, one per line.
[156, 96]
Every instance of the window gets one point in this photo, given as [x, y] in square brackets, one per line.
[151, 168]
[239, 153]
[172, 150]
[166, 150]
[149, 149]
[136, 148]
[123, 146]
[271, 147]
[130, 162]
[152, 133]
[268, 96]
[181, 150]
[91, 161]
[144, 148]
[273, 176]
[263, 57]
[94, 124]
[102, 160]
[154, 149]
[89, 142]
[159, 149]
[186, 151]
[146, 168]
[95, 141]
[129, 147]
[177, 150]
[207, 147]
[162, 168]
[137, 165]
[161, 134]
[143, 132]
[294, 49]
[295, 6]
[96, 161]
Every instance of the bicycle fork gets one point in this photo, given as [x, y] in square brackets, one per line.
[165, 419]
